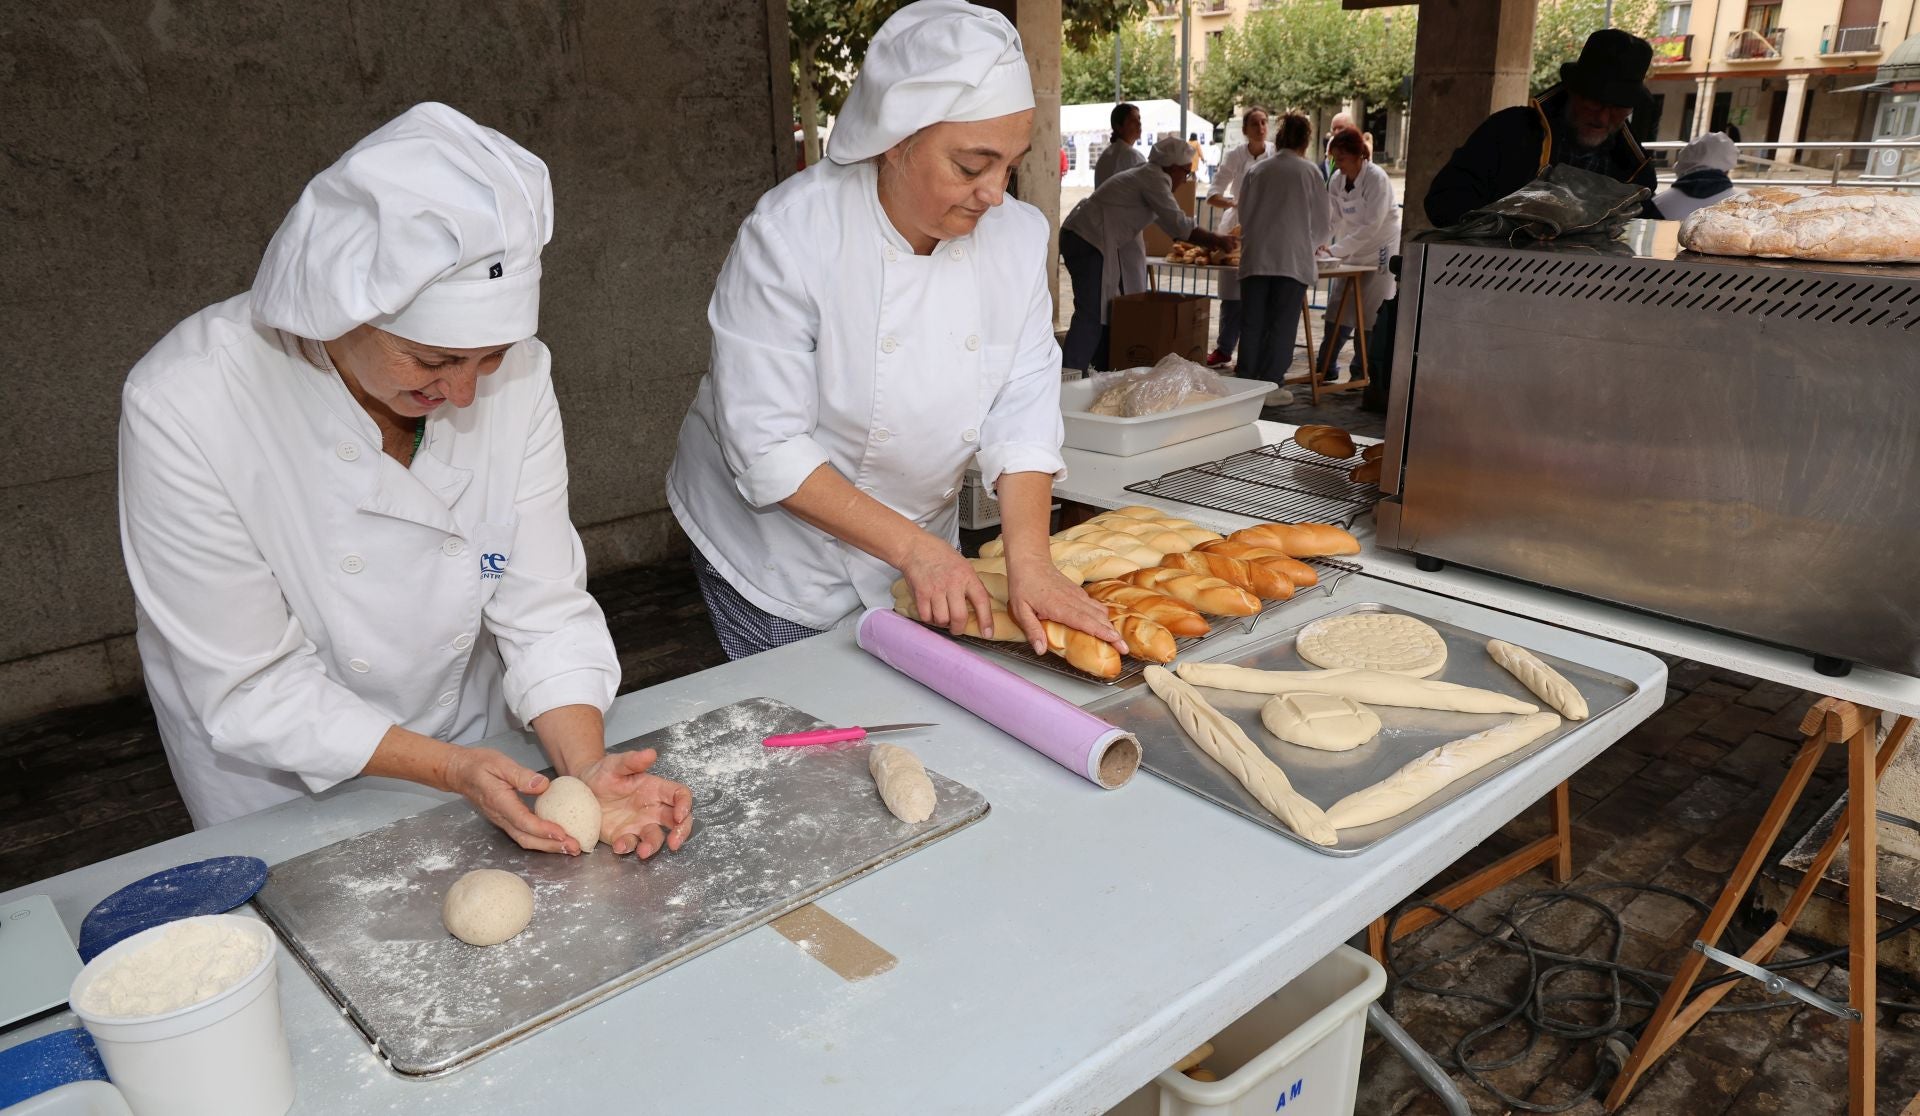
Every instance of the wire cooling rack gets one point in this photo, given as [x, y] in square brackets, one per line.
[1284, 483]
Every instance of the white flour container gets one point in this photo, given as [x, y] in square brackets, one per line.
[224, 1056]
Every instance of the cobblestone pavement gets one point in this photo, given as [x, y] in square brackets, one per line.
[1674, 801]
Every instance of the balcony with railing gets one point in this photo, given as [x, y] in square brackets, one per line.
[1672, 50]
[1851, 40]
[1748, 45]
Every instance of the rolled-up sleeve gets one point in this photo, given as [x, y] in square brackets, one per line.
[1023, 430]
[552, 635]
[764, 375]
[248, 672]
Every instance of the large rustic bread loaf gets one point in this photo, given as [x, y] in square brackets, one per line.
[1846, 224]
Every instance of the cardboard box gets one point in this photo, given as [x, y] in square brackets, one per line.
[1151, 324]
[1157, 241]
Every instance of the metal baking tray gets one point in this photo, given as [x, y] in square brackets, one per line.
[1327, 777]
[774, 829]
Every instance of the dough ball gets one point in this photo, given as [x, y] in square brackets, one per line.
[487, 906]
[571, 803]
[1323, 721]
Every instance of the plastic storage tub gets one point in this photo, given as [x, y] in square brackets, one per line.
[76, 1098]
[1124, 437]
[224, 1056]
[1297, 1051]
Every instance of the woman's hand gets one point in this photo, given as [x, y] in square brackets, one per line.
[1036, 591]
[494, 784]
[638, 811]
[945, 587]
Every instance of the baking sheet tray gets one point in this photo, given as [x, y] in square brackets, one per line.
[1327, 777]
[775, 829]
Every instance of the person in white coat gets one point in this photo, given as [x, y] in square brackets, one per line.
[1226, 184]
[1095, 236]
[1366, 233]
[343, 505]
[1283, 219]
[882, 321]
[1702, 176]
[1120, 153]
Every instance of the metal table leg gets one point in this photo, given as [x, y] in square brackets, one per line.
[1423, 1064]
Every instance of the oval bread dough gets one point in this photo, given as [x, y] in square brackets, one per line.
[1547, 683]
[1388, 641]
[570, 802]
[1323, 721]
[902, 782]
[487, 906]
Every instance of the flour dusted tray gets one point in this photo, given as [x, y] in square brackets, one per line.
[775, 829]
[1327, 777]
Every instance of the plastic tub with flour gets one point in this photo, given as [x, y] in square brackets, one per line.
[225, 1055]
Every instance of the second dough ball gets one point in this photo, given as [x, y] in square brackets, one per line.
[487, 906]
[571, 803]
[1323, 721]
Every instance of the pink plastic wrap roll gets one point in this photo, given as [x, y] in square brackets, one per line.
[1063, 732]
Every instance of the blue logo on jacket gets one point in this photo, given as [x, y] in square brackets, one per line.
[493, 565]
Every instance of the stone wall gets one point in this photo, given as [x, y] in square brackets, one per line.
[149, 150]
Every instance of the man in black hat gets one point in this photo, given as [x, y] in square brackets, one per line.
[1581, 122]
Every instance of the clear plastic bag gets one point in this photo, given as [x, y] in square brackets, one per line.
[1173, 381]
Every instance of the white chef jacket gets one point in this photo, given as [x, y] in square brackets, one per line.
[1226, 186]
[298, 591]
[1283, 218]
[1115, 214]
[1366, 226]
[834, 343]
[1116, 158]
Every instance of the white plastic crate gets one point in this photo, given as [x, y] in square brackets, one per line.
[1124, 437]
[1297, 1052]
[978, 508]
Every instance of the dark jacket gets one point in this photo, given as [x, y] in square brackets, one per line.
[1508, 150]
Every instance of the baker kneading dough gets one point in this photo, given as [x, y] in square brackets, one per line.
[1547, 683]
[1230, 747]
[902, 782]
[1430, 773]
[571, 802]
[487, 906]
[1323, 721]
[1388, 641]
[1369, 687]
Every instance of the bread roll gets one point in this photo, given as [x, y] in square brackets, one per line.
[1296, 571]
[1267, 584]
[1146, 638]
[1177, 616]
[1375, 452]
[1208, 594]
[1367, 472]
[1301, 540]
[1328, 441]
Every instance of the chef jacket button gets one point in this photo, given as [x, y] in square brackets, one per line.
[969, 435]
[353, 563]
[957, 253]
[867, 488]
[448, 698]
[347, 451]
[973, 342]
[360, 666]
[881, 435]
[453, 547]
[948, 494]
[462, 641]
[888, 344]
[892, 255]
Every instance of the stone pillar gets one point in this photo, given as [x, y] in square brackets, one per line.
[1791, 117]
[1702, 106]
[1471, 58]
[1037, 179]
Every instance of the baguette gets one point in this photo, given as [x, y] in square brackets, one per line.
[1095, 656]
[1367, 472]
[1298, 572]
[1208, 594]
[1327, 441]
[1146, 638]
[1147, 531]
[1151, 534]
[1300, 540]
[1269, 585]
[1175, 615]
[1122, 544]
[1164, 519]
[1081, 561]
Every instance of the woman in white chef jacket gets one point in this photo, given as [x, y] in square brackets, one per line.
[883, 320]
[1226, 186]
[1366, 233]
[343, 503]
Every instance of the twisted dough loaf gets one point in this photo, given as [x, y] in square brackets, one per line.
[1177, 616]
[1208, 594]
[1425, 776]
[1809, 223]
[1262, 581]
[1296, 571]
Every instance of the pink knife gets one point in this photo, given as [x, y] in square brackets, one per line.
[833, 735]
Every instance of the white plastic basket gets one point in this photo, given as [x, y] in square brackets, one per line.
[1124, 437]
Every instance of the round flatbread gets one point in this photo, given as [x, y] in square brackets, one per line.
[1385, 641]
[1323, 721]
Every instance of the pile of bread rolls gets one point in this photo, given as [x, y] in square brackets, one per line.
[1160, 577]
[1184, 253]
[1331, 441]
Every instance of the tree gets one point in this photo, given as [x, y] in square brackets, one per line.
[1083, 21]
[1561, 27]
[1308, 54]
[1148, 68]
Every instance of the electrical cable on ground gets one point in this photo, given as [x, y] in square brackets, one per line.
[1540, 1011]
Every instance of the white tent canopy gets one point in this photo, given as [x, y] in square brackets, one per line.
[1086, 129]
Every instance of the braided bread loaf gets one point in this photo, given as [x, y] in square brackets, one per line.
[1208, 594]
[1177, 616]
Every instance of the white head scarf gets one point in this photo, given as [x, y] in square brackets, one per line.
[1171, 151]
[430, 228]
[1713, 151]
[932, 61]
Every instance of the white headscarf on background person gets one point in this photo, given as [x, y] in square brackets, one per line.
[1713, 151]
[1170, 151]
[430, 228]
[931, 62]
